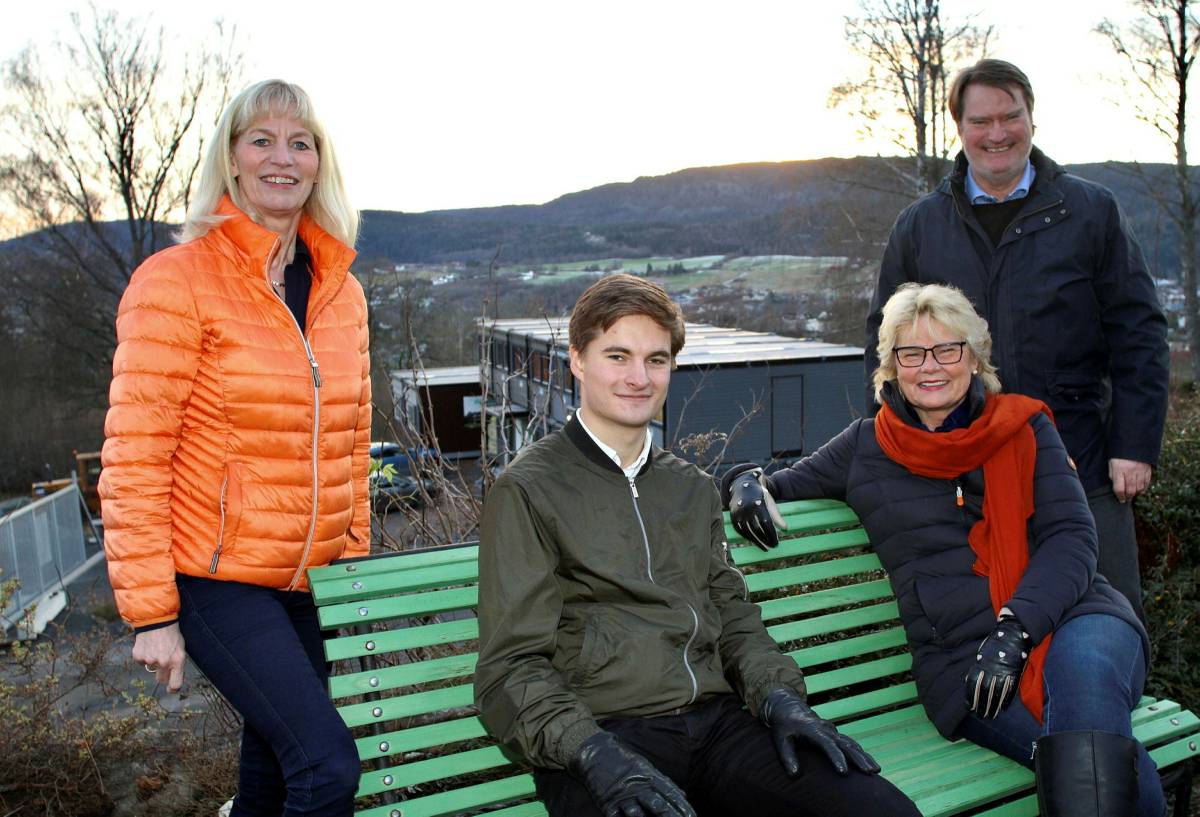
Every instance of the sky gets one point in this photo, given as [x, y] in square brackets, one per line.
[437, 104]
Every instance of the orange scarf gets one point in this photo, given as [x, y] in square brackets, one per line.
[1002, 442]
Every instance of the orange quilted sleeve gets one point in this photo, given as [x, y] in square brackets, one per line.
[158, 352]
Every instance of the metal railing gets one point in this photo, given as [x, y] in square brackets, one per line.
[41, 544]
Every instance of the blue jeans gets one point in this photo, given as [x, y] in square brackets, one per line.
[1094, 674]
[262, 649]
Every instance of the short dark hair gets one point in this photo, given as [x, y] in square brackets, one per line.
[615, 296]
[997, 74]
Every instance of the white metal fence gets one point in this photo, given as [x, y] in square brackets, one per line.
[41, 544]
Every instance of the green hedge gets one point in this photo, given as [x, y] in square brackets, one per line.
[1168, 517]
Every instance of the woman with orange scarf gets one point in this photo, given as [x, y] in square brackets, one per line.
[975, 511]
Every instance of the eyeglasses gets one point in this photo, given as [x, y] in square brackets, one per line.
[910, 357]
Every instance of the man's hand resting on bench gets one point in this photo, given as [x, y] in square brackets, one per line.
[625, 784]
[792, 721]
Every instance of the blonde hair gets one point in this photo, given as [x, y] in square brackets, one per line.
[944, 304]
[326, 205]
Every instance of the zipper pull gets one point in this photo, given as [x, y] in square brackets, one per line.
[958, 497]
[317, 379]
[633, 488]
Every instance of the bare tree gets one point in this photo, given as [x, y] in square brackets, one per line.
[1159, 47]
[902, 97]
[109, 137]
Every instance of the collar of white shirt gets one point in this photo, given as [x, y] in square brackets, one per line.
[975, 193]
[634, 467]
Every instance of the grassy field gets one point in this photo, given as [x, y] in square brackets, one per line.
[778, 273]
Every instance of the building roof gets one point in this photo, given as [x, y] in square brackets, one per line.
[441, 376]
[706, 344]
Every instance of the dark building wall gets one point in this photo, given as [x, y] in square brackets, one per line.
[801, 405]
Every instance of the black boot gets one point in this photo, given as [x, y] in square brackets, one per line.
[1086, 774]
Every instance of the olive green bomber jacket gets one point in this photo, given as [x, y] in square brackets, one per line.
[600, 596]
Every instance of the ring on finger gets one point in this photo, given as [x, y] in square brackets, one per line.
[150, 668]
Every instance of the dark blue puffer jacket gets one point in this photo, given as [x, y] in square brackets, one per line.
[920, 534]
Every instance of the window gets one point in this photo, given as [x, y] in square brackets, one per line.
[499, 353]
[539, 366]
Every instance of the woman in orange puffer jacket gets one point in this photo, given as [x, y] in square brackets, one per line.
[236, 451]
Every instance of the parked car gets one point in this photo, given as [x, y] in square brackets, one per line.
[8, 506]
[401, 475]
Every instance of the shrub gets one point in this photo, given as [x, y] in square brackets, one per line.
[79, 739]
[1168, 518]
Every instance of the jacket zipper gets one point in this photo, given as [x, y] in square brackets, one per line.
[212, 566]
[316, 426]
[645, 539]
[650, 575]
[729, 564]
[686, 648]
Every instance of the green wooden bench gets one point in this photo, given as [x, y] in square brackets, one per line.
[407, 620]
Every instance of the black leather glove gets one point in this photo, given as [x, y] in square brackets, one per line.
[993, 680]
[752, 509]
[792, 720]
[623, 783]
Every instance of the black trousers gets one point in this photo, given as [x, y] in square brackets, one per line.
[726, 762]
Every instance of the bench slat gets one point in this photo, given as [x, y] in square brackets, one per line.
[835, 622]
[417, 738]
[849, 647]
[464, 799]
[385, 563]
[989, 779]
[825, 599]
[426, 771]
[404, 638]
[406, 706]
[1025, 807]
[416, 604]
[867, 670]
[750, 555]
[851, 705]
[818, 571]
[354, 588]
[383, 678]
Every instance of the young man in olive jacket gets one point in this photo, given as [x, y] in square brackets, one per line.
[617, 643]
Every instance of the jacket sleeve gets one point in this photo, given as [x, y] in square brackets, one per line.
[1063, 548]
[154, 367]
[750, 658]
[1136, 331]
[894, 269]
[523, 701]
[820, 475]
[359, 539]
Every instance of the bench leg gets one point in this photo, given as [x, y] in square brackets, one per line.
[1179, 779]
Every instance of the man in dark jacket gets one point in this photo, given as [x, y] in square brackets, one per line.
[1048, 259]
[619, 653]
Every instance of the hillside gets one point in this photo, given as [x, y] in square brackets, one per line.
[840, 207]
[817, 207]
